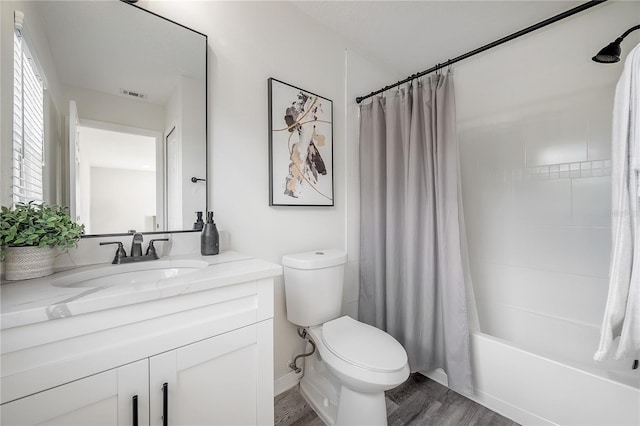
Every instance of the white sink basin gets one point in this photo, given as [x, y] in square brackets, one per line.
[128, 274]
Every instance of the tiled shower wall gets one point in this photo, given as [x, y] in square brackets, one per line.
[537, 196]
[535, 145]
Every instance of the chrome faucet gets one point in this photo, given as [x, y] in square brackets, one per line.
[136, 245]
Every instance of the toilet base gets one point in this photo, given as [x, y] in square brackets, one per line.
[336, 404]
[352, 408]
[361, 409]
[320, 389]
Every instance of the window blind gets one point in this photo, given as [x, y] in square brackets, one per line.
[28, 126]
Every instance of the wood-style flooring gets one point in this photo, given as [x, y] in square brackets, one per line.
[419, 401]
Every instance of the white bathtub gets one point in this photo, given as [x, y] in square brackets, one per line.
[544, 373]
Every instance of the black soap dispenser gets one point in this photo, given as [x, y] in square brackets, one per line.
[198, 224]
[209, 239]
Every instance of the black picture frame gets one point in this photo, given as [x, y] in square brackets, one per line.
[300, 147]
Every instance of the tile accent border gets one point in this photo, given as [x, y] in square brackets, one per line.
[576, 170]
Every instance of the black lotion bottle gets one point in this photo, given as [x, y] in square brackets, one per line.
[209, 239]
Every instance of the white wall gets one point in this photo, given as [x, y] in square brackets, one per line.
[534, 119]
[248, 43]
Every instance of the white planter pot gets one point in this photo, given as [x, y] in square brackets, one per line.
[23, 263]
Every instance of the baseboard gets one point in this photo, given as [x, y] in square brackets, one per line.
[491, 402]
[507, 410]
[437, 375]
[286, 382]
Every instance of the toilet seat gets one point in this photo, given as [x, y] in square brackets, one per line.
[354, 373]
[362, 345]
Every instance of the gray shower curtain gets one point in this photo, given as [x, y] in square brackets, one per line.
[412, 277]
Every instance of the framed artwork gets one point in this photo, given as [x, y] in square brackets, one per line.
[300, 147]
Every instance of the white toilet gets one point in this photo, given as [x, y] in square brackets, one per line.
[345, 379]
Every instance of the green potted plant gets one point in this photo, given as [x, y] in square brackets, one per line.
[29, 236]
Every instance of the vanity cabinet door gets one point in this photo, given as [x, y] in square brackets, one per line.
[103, 399]
[211, 382]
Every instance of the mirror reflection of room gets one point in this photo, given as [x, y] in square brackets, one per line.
[116, 180]
[110, 70]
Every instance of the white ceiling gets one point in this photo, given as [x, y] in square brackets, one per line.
[407, 37]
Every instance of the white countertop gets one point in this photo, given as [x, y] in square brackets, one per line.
[48, 298]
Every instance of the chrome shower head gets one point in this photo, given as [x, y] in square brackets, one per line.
[611, 53]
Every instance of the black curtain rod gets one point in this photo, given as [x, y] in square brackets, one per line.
[510, 37]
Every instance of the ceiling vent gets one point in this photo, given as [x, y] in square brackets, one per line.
[133, 94]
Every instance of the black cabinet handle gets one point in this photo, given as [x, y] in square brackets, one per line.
[165, 404]
[134, 400]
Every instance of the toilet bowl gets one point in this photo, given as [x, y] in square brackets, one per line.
[361, 356]
[354, 363]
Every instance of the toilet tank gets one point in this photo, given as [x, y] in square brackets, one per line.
[313, 284]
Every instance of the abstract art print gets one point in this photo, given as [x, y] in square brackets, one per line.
[300, 147]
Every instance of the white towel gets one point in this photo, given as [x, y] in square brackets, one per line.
[622, 313]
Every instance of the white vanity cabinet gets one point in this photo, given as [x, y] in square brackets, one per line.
[108, 398]
[212, 382]
[200, 354]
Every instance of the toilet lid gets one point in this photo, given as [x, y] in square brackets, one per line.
[363, 345]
